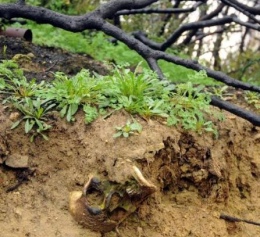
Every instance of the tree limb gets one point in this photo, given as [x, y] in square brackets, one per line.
[238, 5]
[205, 17]
[234, 109]
[160, 11]
[242, 8]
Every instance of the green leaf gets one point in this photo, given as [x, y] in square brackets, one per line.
[15, 124]
[44, 137]
[73, 108]
[29, 125]
[125, 134]
[63, 111]
[118, 134]
[39, 124]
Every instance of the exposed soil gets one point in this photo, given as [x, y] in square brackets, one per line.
[198, 177]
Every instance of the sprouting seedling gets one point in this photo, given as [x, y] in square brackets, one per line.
[128, 129]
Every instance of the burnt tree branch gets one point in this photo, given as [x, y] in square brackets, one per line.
[160, 11]
[209, 16]
[236, 4]
[243, 9]
[192, 26]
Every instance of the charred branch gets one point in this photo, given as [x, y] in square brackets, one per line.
[189, 26]
[167, 18]
[209, 16]
[160, 11]
[240, 6]
[234, 109]
[243, 9]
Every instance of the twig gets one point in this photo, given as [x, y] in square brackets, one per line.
[235, 219]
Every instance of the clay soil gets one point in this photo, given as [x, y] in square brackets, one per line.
[198, 177]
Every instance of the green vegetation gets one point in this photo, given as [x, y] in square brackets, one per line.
[14, 84]
[188, 107]
[253, 99]
[22, 95]
[34, 112]
[128, 129]
[69, 94]
[140, 94]
[244, 65]
[97, 45]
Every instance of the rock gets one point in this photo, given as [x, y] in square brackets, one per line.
[17, 161]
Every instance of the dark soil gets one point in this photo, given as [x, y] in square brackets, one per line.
[198, 177]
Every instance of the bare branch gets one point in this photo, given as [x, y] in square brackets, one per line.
[238, 5]
[247, 24]
[242, 9]
[245, 114]
[160, 11]
[205, 17]
[175, 36]
[109, 9]
[219, 76]
[194, 25]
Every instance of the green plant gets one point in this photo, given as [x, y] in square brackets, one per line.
[253, 98]
[71, 93]
[13, 84]
[91, 113]
[35, 116]
[189, 107]
[128, 129]
[139, 93]
[219, 90]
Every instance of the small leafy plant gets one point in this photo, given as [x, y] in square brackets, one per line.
[253, 98]
[13, 84]
[71, 93]
[91, 113]
[189, 107]
[35, 116]
[138, 93]
[128, 129]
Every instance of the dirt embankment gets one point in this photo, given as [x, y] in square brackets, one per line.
[198, 177]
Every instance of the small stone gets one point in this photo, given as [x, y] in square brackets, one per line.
[17, 161]
[14, 116]
[18, 213]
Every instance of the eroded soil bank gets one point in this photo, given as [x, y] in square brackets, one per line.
[198, 177]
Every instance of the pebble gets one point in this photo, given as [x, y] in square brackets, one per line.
[17, 161]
